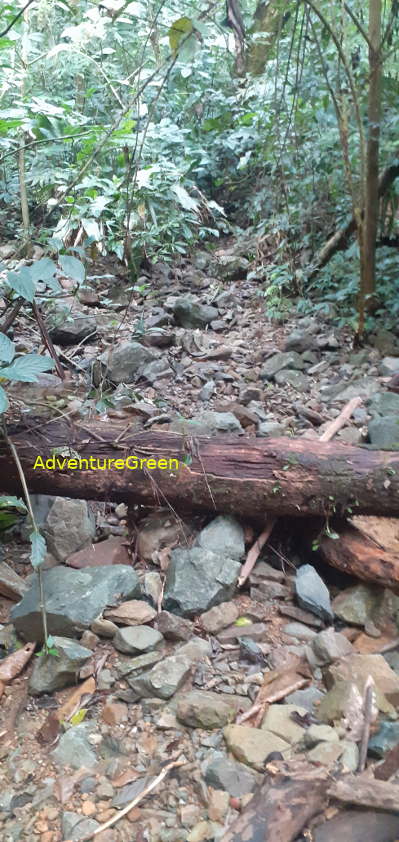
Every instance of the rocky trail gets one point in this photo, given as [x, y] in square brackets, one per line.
[189, 698]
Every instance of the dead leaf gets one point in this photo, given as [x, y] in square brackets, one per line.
[126, 777]
[78, 697]
[65, 785]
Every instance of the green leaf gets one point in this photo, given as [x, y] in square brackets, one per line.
[179, 30]
[22, 283]
[38, 549]
[4, 404]
[72, 267]
[79, 716]
[243, 621]
[7, 349]
[12, 502]
[184, 199]
[26, 368]
[43, 270]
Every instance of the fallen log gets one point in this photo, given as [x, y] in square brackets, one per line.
[250, 477]
[281, 806]
[356, 554]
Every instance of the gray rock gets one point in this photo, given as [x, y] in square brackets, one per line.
[195, 649]
[197, 579]
[155, 370]
[207, 390]
[207, 423]
[385, 341]
[320, 734]
[349, 759]
[358, 604]
[299, 630]
[74, 748]
[299, 340]
[219, 617]
[365, 388]
[68, 527]
[164, 679]
[389, 366]
[386, 738]
[311, 592]
[253, 745]
[52, 672]
[223, 535]
[384, 404]
[289, 377]
[71, 331]
[224, 773]
[125, 362]
[12, 585]
[329, 645]
[384, 432]
[190, 313]
[134, 640]
[278, 719]
[278, 362]
[74, 599]
[230, 267]
[204, 709]
[152, 587]
[270, 428]
[173, 627]
[307, 698]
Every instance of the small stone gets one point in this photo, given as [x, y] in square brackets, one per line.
[384, 740]
[312, 594]
[137, 639]
[135, 612]
[204, 709]
[225, 773]
[89, 808]
[252, 745]
[349, 759]
[278, 719]
[173, 627]
[219, 617]
[223, 535]
[218, 804]
[307, 698]
[52, 672]
[320, 734]
[330, 645]
[164, 679]
[113, 713]
[358, 604]
[189, 815]
[89, 639]
[299, 631]
[325, 753]
[74, 749]
[104, 628]
[357, 668]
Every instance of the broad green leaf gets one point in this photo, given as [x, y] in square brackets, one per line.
[72, 267]
[8, 519]
[12, 502]
[43, 270]
[243, 621]
[180, 29]
[22, 283]
[3, 399]
[38, 549]
[184, 199]
[26, 368]
[7, 349]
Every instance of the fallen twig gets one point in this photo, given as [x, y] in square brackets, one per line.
[151, 786]
[368, 718]
[339, 422]
[255, 550]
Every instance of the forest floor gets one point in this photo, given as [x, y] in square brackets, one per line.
[180, 719]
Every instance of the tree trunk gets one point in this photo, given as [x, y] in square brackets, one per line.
[359, 556]
[340, 239]
[250, 477]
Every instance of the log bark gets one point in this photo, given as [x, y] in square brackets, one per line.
[364, 791]
[359, 556]
[340, 239]
[249, 477]
[281, 807]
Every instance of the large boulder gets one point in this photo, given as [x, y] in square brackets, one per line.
[125, 362]
[69, 526]
[190, 313]
[73, 599]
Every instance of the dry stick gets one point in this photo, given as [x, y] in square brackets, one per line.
[368, 716]
[255, 550]
[339, 422]
[135, 801]
[47, 341]
[12, 315]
